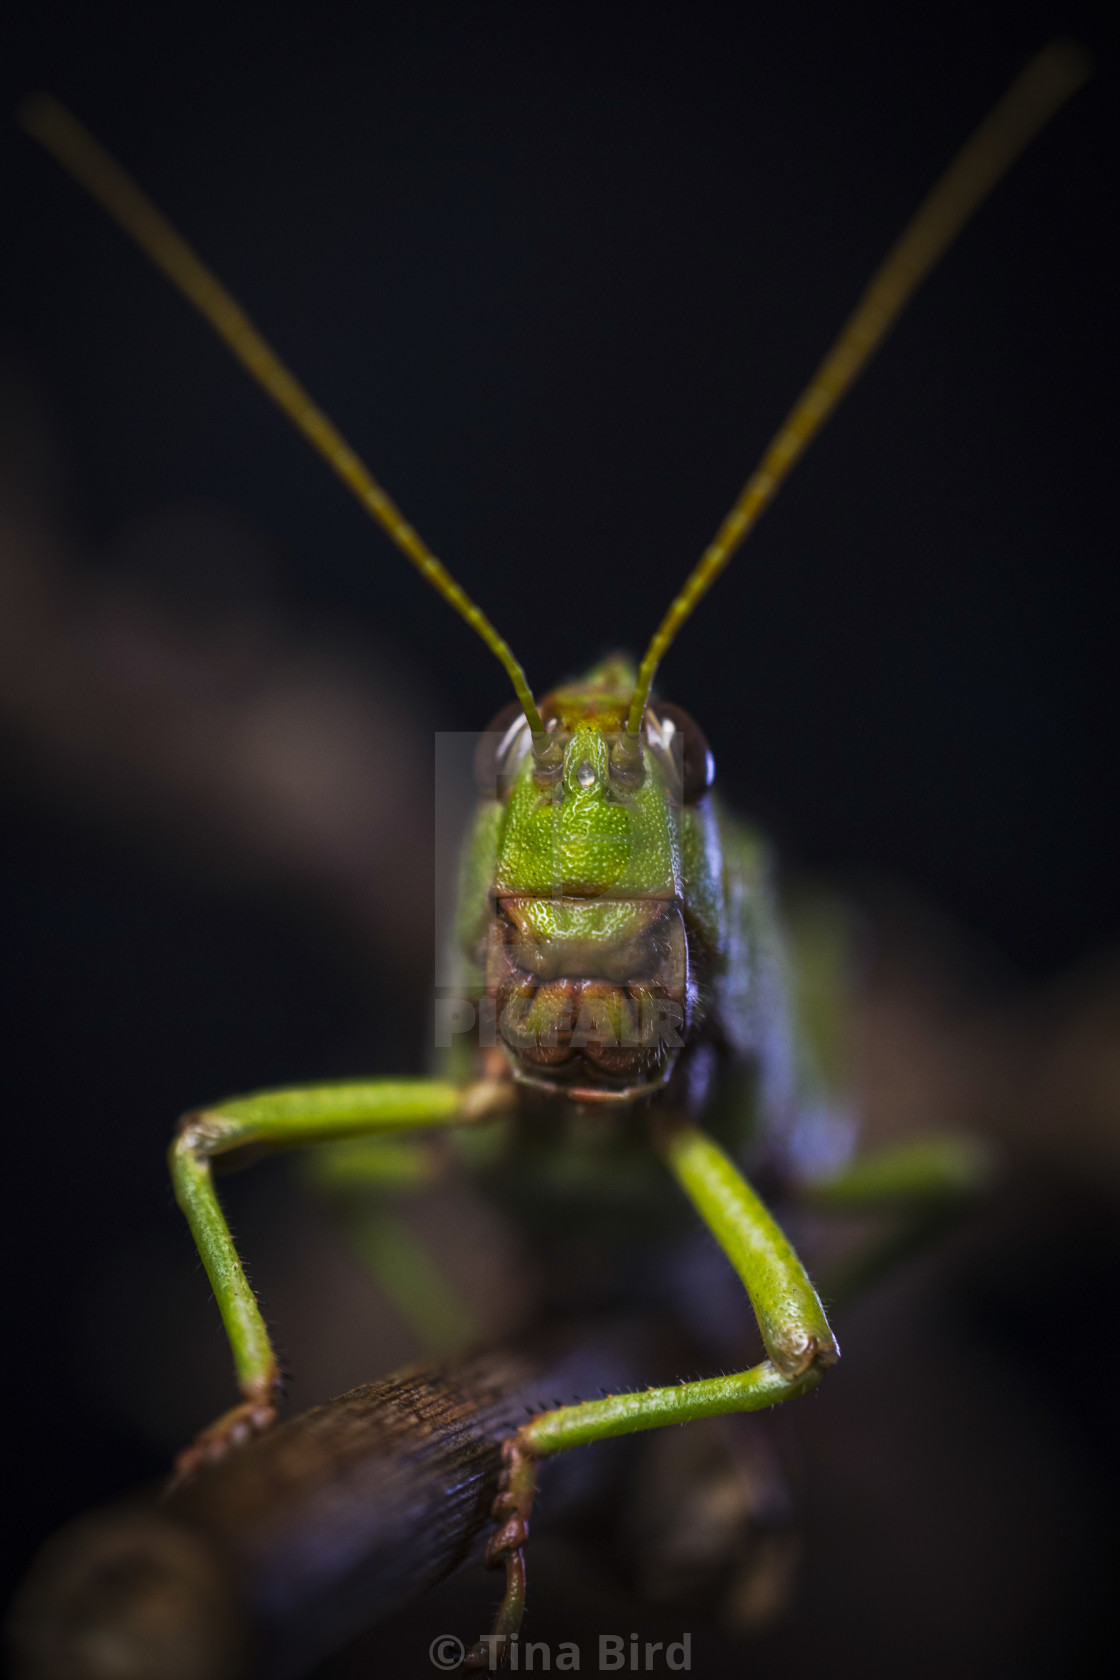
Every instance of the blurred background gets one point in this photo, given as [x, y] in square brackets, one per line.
[557, 272]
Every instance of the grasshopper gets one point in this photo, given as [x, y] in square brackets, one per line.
[621, 960]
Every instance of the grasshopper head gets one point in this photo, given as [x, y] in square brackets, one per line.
[588, 954]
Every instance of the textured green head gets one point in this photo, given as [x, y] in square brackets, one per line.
[581, 833]
[587, 947]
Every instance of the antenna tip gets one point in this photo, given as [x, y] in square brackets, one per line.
[1066, 60]
[35, 112]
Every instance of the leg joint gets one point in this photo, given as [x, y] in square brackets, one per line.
[805, 1355]
[485, 1099]
[202, 1133]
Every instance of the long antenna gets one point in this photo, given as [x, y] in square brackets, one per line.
[103, 178]
[1029, 103]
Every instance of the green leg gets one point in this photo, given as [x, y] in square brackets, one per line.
[362, 1179]
[244, 1127]
[799, 1344]
[920, 1185]
[402, 1266]
[920, 1171]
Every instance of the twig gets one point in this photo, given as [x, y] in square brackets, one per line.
[270, 1560]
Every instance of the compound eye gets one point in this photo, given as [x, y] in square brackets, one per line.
[690, 750]
[492, 754]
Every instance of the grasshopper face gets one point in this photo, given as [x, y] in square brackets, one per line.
[587, 957]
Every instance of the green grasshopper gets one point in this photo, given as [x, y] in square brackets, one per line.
[620, 955]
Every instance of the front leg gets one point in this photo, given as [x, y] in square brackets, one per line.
[799, 1344]
[266, 1121]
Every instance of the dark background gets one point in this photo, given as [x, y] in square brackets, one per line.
[557, 272]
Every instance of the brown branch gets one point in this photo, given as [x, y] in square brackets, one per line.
[267, 1562]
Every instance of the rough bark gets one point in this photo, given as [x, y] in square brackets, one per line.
[273, 1558]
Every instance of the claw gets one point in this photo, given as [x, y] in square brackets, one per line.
[509, 1538]
[478, 1659]
[234, 1429]
[505, 1504]
[510, 1510]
